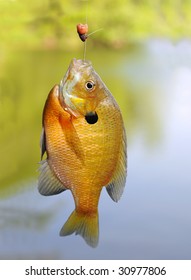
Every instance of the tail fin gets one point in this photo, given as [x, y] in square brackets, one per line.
[84, 225]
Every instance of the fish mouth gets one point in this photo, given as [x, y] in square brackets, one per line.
[75, 68]
[91, 117]
[79, 64]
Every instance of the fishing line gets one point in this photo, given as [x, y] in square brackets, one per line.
[85, 43]
[95, 31]
[85, 47]
[82, 30]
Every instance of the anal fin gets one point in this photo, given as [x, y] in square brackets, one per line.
[43, 142]
[48, 184]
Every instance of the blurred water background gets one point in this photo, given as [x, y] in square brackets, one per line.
[148, 70]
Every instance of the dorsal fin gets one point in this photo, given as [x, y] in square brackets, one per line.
[116, 186]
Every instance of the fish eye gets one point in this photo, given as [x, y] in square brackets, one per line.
[89, 85]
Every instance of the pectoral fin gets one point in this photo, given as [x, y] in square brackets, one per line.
[72, 137]
[48, 184]
[116, 186]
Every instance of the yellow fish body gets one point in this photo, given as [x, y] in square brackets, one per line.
[85, 142]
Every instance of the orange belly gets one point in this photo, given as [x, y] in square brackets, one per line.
[83, 156]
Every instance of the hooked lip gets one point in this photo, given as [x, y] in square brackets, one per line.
[75, 68]
[77, 64]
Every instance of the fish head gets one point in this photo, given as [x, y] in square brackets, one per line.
[81, 89]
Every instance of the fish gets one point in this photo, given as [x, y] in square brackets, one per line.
[84, 139]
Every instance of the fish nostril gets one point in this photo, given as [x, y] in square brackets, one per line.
[91, 117]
